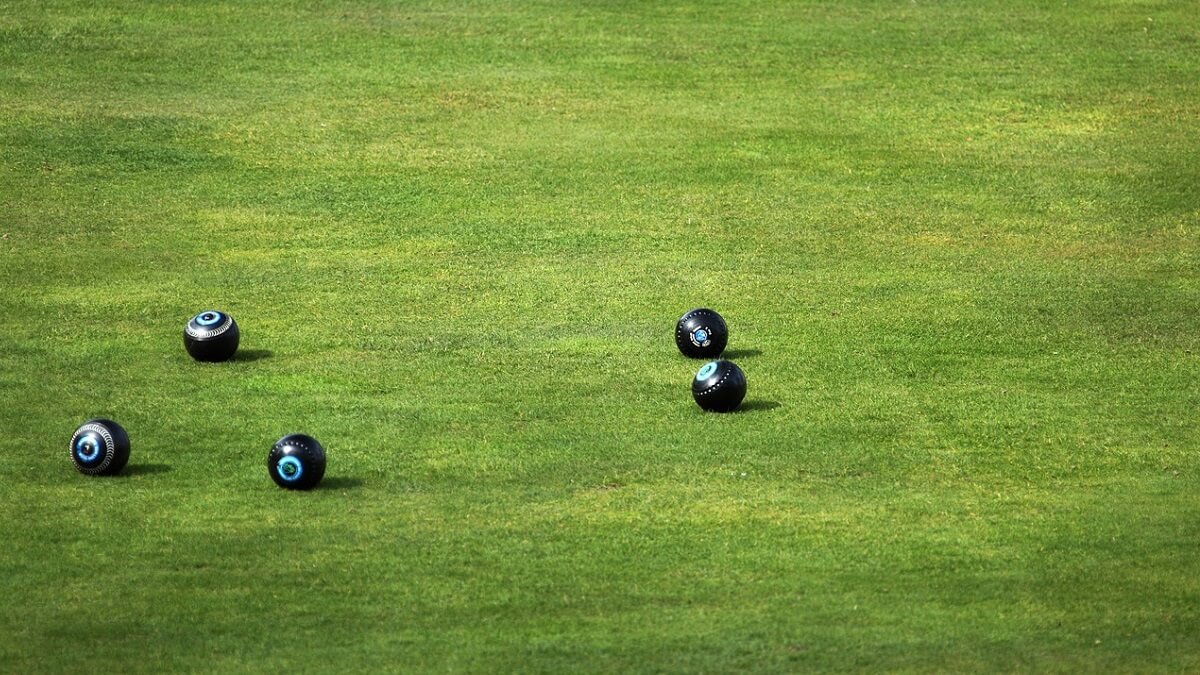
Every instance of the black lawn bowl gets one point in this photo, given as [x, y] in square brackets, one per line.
[100, 448]
[701, 334]
[720, 386]
[211, 336]
[297, 462]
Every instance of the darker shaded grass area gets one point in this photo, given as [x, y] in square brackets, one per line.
[956, 244]
[517, 583]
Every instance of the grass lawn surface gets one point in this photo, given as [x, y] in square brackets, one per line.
[956, 244]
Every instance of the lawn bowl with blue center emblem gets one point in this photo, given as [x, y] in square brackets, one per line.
[211, 336]
[297, 462]
[719, 386]
[99, 447]
[701, 334]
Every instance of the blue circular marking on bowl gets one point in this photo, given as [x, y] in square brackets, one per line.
[708, 369]
[208, 318]
[700, 335]
[87, 448]
[290, 468]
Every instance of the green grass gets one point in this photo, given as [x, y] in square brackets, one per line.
[956, 242]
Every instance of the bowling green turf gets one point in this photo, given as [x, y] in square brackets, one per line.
[957, 245]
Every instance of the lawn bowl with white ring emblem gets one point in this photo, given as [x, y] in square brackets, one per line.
[211, 336]
[701, 334]
[297, 462]
[719, 386]
[99, 447]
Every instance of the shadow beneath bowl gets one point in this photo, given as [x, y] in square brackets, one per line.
[252, 354]
[757, 405]
[733, 354]
[341, 483]
[145, 469]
